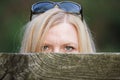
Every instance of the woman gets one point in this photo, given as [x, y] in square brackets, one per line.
[57, 27]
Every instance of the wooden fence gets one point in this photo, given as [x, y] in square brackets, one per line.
[41, 66]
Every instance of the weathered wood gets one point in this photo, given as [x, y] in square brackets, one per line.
[41, 66]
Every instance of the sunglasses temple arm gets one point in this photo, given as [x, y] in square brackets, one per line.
[81, 12]
[82, 17]
[31, 15]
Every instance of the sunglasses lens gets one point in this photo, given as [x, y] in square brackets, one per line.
[41, 7]
[67, 6]
[71, 7]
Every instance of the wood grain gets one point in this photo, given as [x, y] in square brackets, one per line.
[48, 66]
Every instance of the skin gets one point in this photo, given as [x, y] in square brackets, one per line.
[61, 38]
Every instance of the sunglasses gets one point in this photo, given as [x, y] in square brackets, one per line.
[67, 6]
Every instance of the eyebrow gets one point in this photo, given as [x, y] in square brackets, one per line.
[63, 43]
[67, 43]
[74, 44]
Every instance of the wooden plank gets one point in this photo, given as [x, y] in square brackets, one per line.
[46, 66]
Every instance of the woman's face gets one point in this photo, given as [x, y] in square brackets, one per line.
[61, 38]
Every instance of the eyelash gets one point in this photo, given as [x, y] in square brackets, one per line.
[45, 47]
[70, 47]
[65, 48]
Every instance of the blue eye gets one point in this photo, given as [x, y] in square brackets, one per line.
[45, 48]
[69, 48]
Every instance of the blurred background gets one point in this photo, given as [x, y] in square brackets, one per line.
[102, 17]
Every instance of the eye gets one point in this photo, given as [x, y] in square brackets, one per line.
[69, 48]
[45, 48]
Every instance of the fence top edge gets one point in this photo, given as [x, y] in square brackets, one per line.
[100, 53]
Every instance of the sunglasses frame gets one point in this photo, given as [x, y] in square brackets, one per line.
[58, 4]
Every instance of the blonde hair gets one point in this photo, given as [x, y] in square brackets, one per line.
[38, 26]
